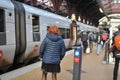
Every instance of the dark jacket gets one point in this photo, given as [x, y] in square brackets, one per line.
[84, 36]
[52, 49]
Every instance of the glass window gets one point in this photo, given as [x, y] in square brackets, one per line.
[68, 33]
[65, 33]
[62, 32]
[2, 28]
[36, 30]
[1, 20]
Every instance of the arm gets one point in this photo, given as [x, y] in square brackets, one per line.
[42, 47]
[63, 50]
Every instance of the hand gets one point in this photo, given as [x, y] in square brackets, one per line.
[40, 59]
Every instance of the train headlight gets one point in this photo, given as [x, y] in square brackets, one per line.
[35, 47]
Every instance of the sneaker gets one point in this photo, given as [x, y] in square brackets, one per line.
[104, 62]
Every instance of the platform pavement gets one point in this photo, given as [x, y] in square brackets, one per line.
[92, 69]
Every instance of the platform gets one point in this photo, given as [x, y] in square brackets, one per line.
[92, 69]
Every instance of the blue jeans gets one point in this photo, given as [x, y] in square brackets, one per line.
[98, 49]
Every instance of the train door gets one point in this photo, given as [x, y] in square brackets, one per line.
[7, 37]
[20, 33]
[33, 36]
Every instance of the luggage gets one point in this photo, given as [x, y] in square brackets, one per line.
[88, 49]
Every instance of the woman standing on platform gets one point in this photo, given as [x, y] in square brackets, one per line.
[52, 51]
[99, 40]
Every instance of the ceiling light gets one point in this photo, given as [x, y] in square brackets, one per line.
[73, 17]
[100, 10]
[79, 19]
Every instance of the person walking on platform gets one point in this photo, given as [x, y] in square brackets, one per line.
[84, 39]
[115, 51]
[99, 40]
[91, 39]
[52, 51]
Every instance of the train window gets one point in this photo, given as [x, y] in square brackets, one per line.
[1, 20]
[2, 28]
[36, 28]
[62, 32]
[65, 33]
[68, 33]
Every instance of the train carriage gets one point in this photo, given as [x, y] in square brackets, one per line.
[22, 29]
[7, 33]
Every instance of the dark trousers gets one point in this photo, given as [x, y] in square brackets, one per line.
[85, 44]
[103, 43]
[116, 67]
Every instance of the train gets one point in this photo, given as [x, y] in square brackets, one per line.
[22, 29]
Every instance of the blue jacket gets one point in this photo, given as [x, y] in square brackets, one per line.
[52, 49]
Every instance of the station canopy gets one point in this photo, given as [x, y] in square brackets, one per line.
[86, 11]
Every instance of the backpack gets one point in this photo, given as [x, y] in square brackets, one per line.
[117, 42]
[104, 37]
[84, 37]
[91, 37]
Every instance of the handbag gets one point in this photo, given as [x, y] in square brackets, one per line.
[88, 49]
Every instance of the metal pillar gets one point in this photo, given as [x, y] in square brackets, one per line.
[77, 63]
